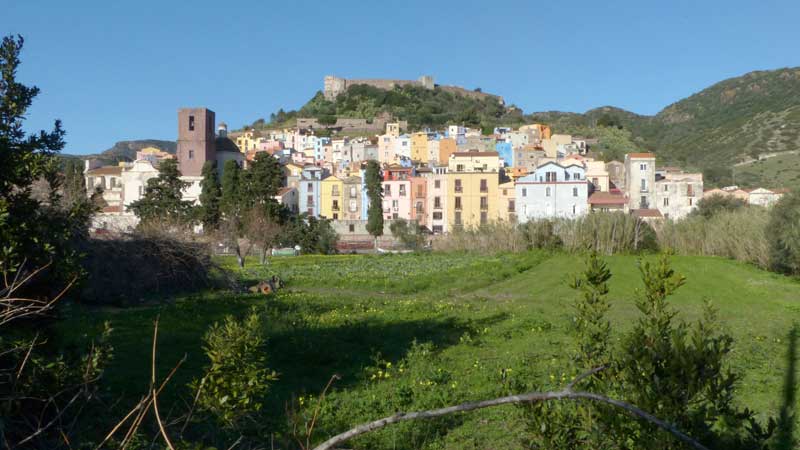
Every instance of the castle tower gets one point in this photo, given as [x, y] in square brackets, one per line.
[334, 86]
[426, 81]
[222, 130]
[196, 140]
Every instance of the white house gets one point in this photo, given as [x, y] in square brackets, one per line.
[764, 197]
[551, 191]
[134, 180]
[677, 193]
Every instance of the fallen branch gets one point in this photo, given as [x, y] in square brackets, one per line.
[532, 397]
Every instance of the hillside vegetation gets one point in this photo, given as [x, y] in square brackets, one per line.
[421, 107]
[734, 120]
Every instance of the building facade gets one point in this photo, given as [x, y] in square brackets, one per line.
[552, 191]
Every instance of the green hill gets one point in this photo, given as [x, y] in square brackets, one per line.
[421, 107]
[733, 121]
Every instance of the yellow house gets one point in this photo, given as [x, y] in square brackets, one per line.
[472, 198]
[474, 161]
[557, 140]
[419, 147]
[247, 141]
[506, 206]
[330, 198]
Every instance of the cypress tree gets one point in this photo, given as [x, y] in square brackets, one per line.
[210, 196]
[375, 195]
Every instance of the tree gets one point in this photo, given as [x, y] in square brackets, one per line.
[231, 206]
[712, 205]
[261, 181]
[32, 231]
[408, 233]
[785, 234]
[210, 197]
[162, 201]
[262, 227]
[74, 185]
[372, 179]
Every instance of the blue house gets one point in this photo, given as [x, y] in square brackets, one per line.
[506, 153]
[310, 179]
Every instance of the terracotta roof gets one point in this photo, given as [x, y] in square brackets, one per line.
[647, 213]
[782, 191]
[112, 209]
[641, 155]
[106, 170]
[606, 198]
[284, 190]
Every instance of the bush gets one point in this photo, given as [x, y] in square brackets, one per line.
[607, 233]
[408, 233]
[784, 233]
[237, 379]
[712, 205]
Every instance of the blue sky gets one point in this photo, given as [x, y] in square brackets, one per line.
[120, 70]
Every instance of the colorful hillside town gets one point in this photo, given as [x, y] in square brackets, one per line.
[448, 179]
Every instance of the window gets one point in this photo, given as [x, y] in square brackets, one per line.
[458, 186]
[437, 202]
[505, 191]
[437, 215]
[191, 154]
[550, 176]
[459, 167]
[310, 186]
[395, 204]
[420, 208]
[458, 218]
[458, 202]
[387, 189]
[511, 206]
[666, 202]
[484, 186]
[437, 184]
[524, 192]
[420, 191]
[113, 182]
[642, 166]
[437, 229]
[191, 123]
[395, 216]
[484, 217]
[352, 192]
[353, 206]
[335, 216]
[690, 201]
[352, 228]
[690, 190]
[547, 192]
[336, 205]
[566, 176]
[644, 185]
[643, 202]
[666, 188]
[573, 210]
[310, 212]
[402, 190]
[335, 190]
[484, 203]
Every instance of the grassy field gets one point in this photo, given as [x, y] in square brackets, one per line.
[420, 331]
[781, 171]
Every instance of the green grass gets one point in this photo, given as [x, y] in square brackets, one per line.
[421, 331]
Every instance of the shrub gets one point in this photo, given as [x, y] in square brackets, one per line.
[712, 205]
[783, 230]
[237, 379]
[607, 233]
[408, 233]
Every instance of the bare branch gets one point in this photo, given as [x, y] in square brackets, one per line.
[531, 397]
[153, 388]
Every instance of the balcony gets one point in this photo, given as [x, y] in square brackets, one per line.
[459, 189]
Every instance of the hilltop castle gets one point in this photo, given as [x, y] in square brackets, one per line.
[334, 86]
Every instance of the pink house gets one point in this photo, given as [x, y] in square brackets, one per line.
[397, 192]
[269, 146]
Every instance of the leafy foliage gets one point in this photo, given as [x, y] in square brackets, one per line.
[410, 234]
[711, 205]
[236, 380]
